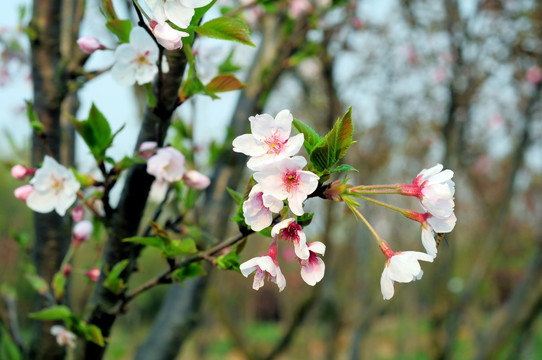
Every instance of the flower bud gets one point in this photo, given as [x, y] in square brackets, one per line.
[196, 180]
[89, 44]
[23, 192]
[19, 171]
[67, 270]
[81, 232]
[93, 274]
[147, 149]
[78, 213]
[335, 190]
[167, 36]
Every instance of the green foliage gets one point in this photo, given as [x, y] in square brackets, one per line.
[333, 146]
[94, 334]
[59, 284]
[22, 239]
[311, 137]
[305, 219]
[113, 282]
[226, 28]
[59, 312]
[96, 133]
[229, 261]
[8, 349]
[38, 283]
[344, 168]
[227, 66]
[35, 123]
[191, 270]
[169, 248]
[121, 28]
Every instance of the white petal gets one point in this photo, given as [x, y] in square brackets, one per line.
[124, 74]
[41, 203]
[195, 3]
[280, 226]
[431, 171]
[313, 272]
[294, 144]
[442, 176]
[428, 242]
[178, 14]
[248, 145]
[442, 225]
[283, 123]
[271, 202]
[261, 126]
[145, 73]
[280, 280]
[125, 53]
[300, 247]
[317, 247]
[386, 285]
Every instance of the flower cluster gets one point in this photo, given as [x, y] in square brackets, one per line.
[279, 176]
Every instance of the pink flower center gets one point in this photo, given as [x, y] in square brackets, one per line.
[290, 179]
[142, 58]
[290, 233]
[274, 144]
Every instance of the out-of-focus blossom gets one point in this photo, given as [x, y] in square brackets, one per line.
[534, 75]
[147, 149]
[299, 7]
[81, 232]
[167, 36]
[19, 172]
[179, 12]
[284, 179]
[89, 44]
[63, 336]
[269, 141]
[196, 180]
[66, 270]
[136, 60]
[22, 192]
[289, 230]
[258, 208]
[401, 267]
[167, 164]
[93, 274]
[313, 268]
[55, 188]
[78, 213]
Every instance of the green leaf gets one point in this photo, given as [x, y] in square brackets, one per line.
[191, 197]
[305, 219]
[227, 66]
[151, 241]
[38, 283]
[334, 145]
[223, 83]
[236, 196]
[182, 247]
[191, 270]
[59, 283]
[121, 28]
[96, 132]
[192, 86]
[113, 282]
[344, 168]
[8, 349]
[94, 334]
[151, 98]
[311, 137]
[59, 312]
[226, 28]
[265, 232]
[21, 238]
[35, 123]
[229, 261]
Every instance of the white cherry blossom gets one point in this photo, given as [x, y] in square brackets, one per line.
[196, 180]
[264, 266]
[436, 190]
[285, 179]
[269, 141]
[401, 267]
[179, 12]
[136, 60]
[55, 188]
[432, 226]
[313, 268]
[63, 336]
[167, 164]
[258, 208]
[289, 230]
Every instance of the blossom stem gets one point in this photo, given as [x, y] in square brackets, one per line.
[373, 231]
[404, 212]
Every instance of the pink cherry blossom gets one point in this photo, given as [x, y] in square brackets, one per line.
[299, 7]
[63, 336]
[78, 213]
[93, 274]
[435, 189]
[19, 172]
[55, 188]
[81, 232]
[289, 230]
[89, 44]
[265, 266]
[269, 141]
[136, 60]
[167, 36]
[22, 192]
[167, 164]
[401, 267]
[534, 75]
[196, 180]
[258, 208]
[284, 179]
[313, 268]
[179, 12]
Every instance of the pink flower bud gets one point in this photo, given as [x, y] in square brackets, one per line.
[81, 232]
[67, 270]
[93, 274]
[23, 192]
[19, 171]
[196, 180]
[167, 36]
[147, 149]
[89, 44]
[78, 213]
[335, 190]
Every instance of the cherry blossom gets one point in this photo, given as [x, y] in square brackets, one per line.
[431, 225]
[313, 268]
[179, 12]
[55, 188]
[63, 336]
[196, 180]
[136, 60]
[167, 164]
[284, 179]
[78, 213]
[23, 192]
[93, 274]
[89, 44]
[167, 36]
[258, 208]
[269, 141]
[289, 230]
[264, 266]
[81, 232]
[401, 267]
[435, 189]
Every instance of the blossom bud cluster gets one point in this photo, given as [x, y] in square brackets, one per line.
[279, 176]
